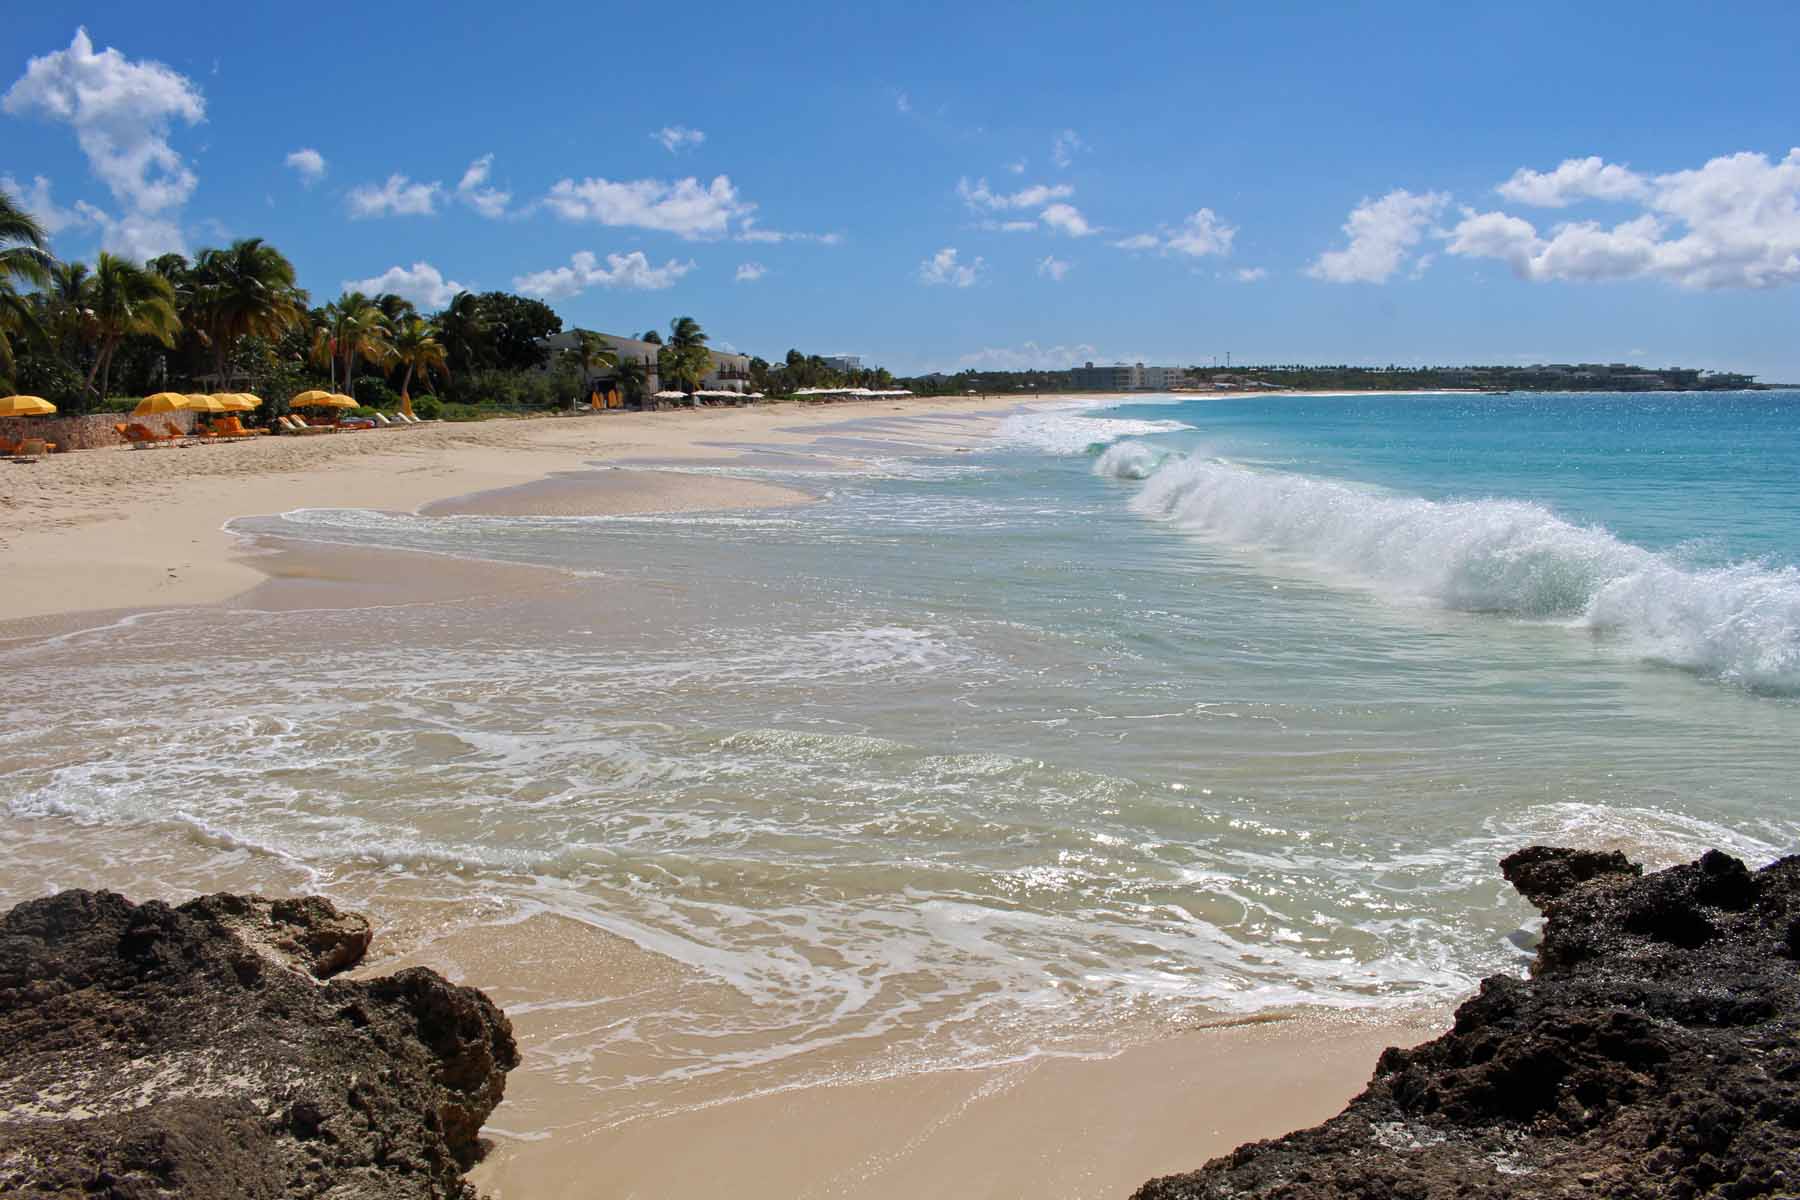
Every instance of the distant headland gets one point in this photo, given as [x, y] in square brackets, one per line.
[1542, 377]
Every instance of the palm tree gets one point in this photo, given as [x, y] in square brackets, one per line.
[128, 301]
[685, 332]
[353, 328]
[589, 352]
[68, 308]
[416, 345]
[244, 290]
[631, 377]
[397, 309]
[23, 259]
[463, 329]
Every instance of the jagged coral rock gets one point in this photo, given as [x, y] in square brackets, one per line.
[1651, 1053]
[155, 1051]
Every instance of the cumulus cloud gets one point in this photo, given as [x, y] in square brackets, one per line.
[1382, 234]
[309, 163]
[902, 103]
[474, 191]
[676, 138]
[1201, 233]
[1017, 167]
[1067, 145]
[750, 272]
[1029, 356]
[1734, 222]
[121, 112]
[584, 271]
[1009, 226]
[1575, 179]
[421, 283]
[943, 268]
[1066, 218]
[398, 197]
[980, 197]
[683, 207]
[1251, 274]
[1052, 268]
[37, 201]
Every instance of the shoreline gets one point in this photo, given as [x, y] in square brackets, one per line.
[118, 531]
[1160, 1101]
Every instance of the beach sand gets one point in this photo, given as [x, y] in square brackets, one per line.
[114, 530]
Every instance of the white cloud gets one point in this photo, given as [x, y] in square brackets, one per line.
[683, 207]
[472, 189]
[584, 271]
[399, 197]
[750, 272]
[140, 237]
[676, 137]
[1734, 222]
[309, 163]
[1067, 144]
[1251, 274]
[1201, 233]
[1029, 356]
[979, 196]
[1053, 268]
[1009, 226]
[1066, 218]
[1017, 167]
[36, 201]
[943, 268]
[1382, 232]
[121, 112]
[1575, 179]
[421, 283]
[903, 102]
[747, 232]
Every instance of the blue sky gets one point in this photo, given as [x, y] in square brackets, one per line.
[938, 186]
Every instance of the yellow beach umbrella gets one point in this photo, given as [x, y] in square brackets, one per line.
[339, 400]
[244, 402]
[310, 399]
[162, 402]
[207, 404]
[25, 406]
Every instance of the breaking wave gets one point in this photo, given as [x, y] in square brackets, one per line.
[1739, 623]
[1063, 432]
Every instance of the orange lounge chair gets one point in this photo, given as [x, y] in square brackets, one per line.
[30, 450]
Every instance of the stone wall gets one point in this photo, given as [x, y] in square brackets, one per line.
[85, 433]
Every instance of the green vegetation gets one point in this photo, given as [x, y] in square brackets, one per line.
[234, 319]
[1553, 377]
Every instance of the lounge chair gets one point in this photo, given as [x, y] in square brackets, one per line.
[382, 422]
[30, 450]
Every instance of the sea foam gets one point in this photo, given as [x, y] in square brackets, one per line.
[1065, 432]
[1511, 557]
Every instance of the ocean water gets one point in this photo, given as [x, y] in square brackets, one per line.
[1129, 717]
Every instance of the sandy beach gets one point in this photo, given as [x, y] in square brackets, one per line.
[121, 530]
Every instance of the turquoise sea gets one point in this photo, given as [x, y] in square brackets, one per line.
[1125, 717]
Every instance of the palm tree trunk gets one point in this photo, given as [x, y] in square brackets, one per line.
[407, 381]
[106, 371]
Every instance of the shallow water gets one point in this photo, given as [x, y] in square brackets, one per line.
[1123, 720]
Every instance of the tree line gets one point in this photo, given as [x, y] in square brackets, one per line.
[233, 318]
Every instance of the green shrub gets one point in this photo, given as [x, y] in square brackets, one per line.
[427, 408]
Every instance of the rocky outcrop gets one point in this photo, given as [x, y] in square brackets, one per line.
[1653, 1052]
[151, 1051]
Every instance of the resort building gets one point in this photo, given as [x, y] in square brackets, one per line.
[1130, 377]
[846, 363]
[730, 373]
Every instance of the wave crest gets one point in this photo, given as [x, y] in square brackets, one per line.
[1517, 558]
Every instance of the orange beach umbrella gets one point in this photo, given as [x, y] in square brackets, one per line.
[25, 406]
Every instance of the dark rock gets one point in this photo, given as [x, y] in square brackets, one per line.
[1543, 873]
[150, 1051]
[1652, 1053]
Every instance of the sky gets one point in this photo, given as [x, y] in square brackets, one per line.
[939, 186]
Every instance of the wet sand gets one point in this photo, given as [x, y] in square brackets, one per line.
[574, 1124]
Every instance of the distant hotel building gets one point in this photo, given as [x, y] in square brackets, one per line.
[1130, 377]
[730, 372]
[846, 363]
